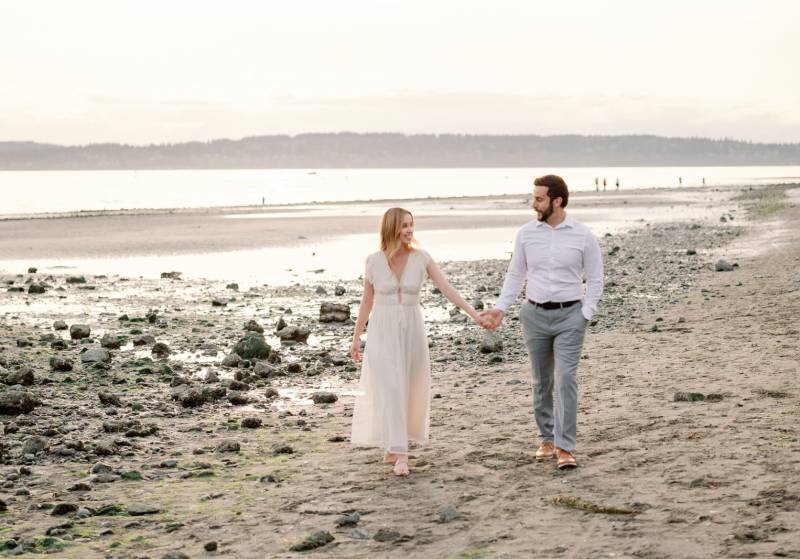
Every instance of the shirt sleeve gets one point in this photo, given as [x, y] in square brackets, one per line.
[515, 276]
[593, 267]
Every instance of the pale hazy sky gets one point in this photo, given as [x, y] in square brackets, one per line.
[145, 71]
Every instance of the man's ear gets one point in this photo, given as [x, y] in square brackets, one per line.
[558, 201]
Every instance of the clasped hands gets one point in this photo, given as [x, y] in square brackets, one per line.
[490, 319]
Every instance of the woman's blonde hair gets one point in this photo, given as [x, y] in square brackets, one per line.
[391, 225]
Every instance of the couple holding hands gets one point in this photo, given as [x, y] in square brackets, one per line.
[552, 254]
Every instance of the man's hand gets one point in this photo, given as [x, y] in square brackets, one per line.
[492, 318]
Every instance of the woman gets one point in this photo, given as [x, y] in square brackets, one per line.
[393, 405]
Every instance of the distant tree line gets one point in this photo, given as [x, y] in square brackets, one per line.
[351, 150]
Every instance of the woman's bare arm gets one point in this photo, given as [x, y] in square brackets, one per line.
[367, 300]
[449, 291]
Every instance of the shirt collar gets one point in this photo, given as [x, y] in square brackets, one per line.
[568, 222]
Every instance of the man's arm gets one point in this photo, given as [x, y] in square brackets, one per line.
[593, 266]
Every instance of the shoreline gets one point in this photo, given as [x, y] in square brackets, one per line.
[668, 324]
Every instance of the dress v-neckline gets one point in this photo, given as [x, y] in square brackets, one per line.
[389, 265]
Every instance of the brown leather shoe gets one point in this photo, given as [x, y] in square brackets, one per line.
[565, 459]
[545, 451]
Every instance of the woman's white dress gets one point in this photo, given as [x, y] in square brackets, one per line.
[393, 403]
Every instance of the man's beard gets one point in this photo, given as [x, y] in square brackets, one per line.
[545, 215]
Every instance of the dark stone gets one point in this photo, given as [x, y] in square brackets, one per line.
[17, 401]
[61, 364]
[96, 355]
[348, 520]
[219, 302]
[79, 331]
[280, 325]
[252, 346]
[231, 360]
[238, 398]
[691, 252]
[386, 535]
[294, 368]
[36, 289]
[34, 445]
[60, 325]
[314, 541]
[448, 514]
[110, 342]
[160, 349]
[294, 334]
[334, 312]
[253, 326]
[171, 275]
[265, 370]
[76, 279]
[281, 448]
[64, 508]
[723, 266]
[144, 339]
[228, 445]
[58, 345]
[688, 397]
[109, 399]
[323, 397]
[238, 385]
[271, 393]
[192, 397]
[251, 422]
[210, 546]
[339, 290]
[491, 343]
[32, 270]
[140, 509]
[23, 376]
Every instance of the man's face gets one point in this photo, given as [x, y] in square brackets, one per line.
[542, 204]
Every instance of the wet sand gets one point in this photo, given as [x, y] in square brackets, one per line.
[658, 477]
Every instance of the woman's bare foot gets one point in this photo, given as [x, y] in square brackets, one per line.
[390, 457]
[401, 465]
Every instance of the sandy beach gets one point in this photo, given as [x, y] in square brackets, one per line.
[687, 423]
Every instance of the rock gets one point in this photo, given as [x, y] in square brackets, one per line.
[714, 397]
[321, 290]
[140, 509]
[723, 266]
[151, 316]
[34, 445]
[60, 325]
[271, 393]
[210, 546]
[688, 397]
[265, 370]
[281, 448]
[96, 355]
[238, 385]
[294, 334]
[339, 290]
[281, 324]
[58, 345]
[32, 270]
[323, 397]
[104, 448]
[251, 422]
[101, 468]
[491, 343]
[478, 305]
[144, 339]
[691, 252]
[64, 508]
[314, 541]
[334, 312]
[79, 331]
[16, 401]
[110, 342]
[219, 302]
[161, 350]
[171, 275]
[228, 445]
[231, 360]
[80, 486]
[3, 506]
[23, 376]
[109, 399]
[253, 326]
[192, 397]
[61, 364]
[386, 535]
[238, 398]
[36, 289]
[252, 346]
[174, 555]
[131, 475]
[448, 514]
[294, 368]
[76, 279]
[348, 520]
[211, 376]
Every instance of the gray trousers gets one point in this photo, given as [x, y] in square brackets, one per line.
[555, 339]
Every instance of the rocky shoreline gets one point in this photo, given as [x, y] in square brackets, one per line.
[114, 389]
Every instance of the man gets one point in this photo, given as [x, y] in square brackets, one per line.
[551, 254]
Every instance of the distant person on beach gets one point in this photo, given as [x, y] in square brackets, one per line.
[680, 181]
[551, 254]
[596, 184]
[393, 403]
[617, 183]
[604, 184]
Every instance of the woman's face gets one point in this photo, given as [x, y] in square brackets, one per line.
[406, 233]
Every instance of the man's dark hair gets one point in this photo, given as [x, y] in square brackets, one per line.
[556, 188]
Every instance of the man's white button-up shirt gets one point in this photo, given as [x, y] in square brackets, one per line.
[553, 260]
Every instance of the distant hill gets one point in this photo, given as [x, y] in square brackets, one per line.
[351, 150]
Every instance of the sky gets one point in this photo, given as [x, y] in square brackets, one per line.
[146, 71]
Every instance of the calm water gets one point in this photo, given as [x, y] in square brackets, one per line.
[35, 192]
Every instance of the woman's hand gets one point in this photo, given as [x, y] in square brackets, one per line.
[355, 350]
